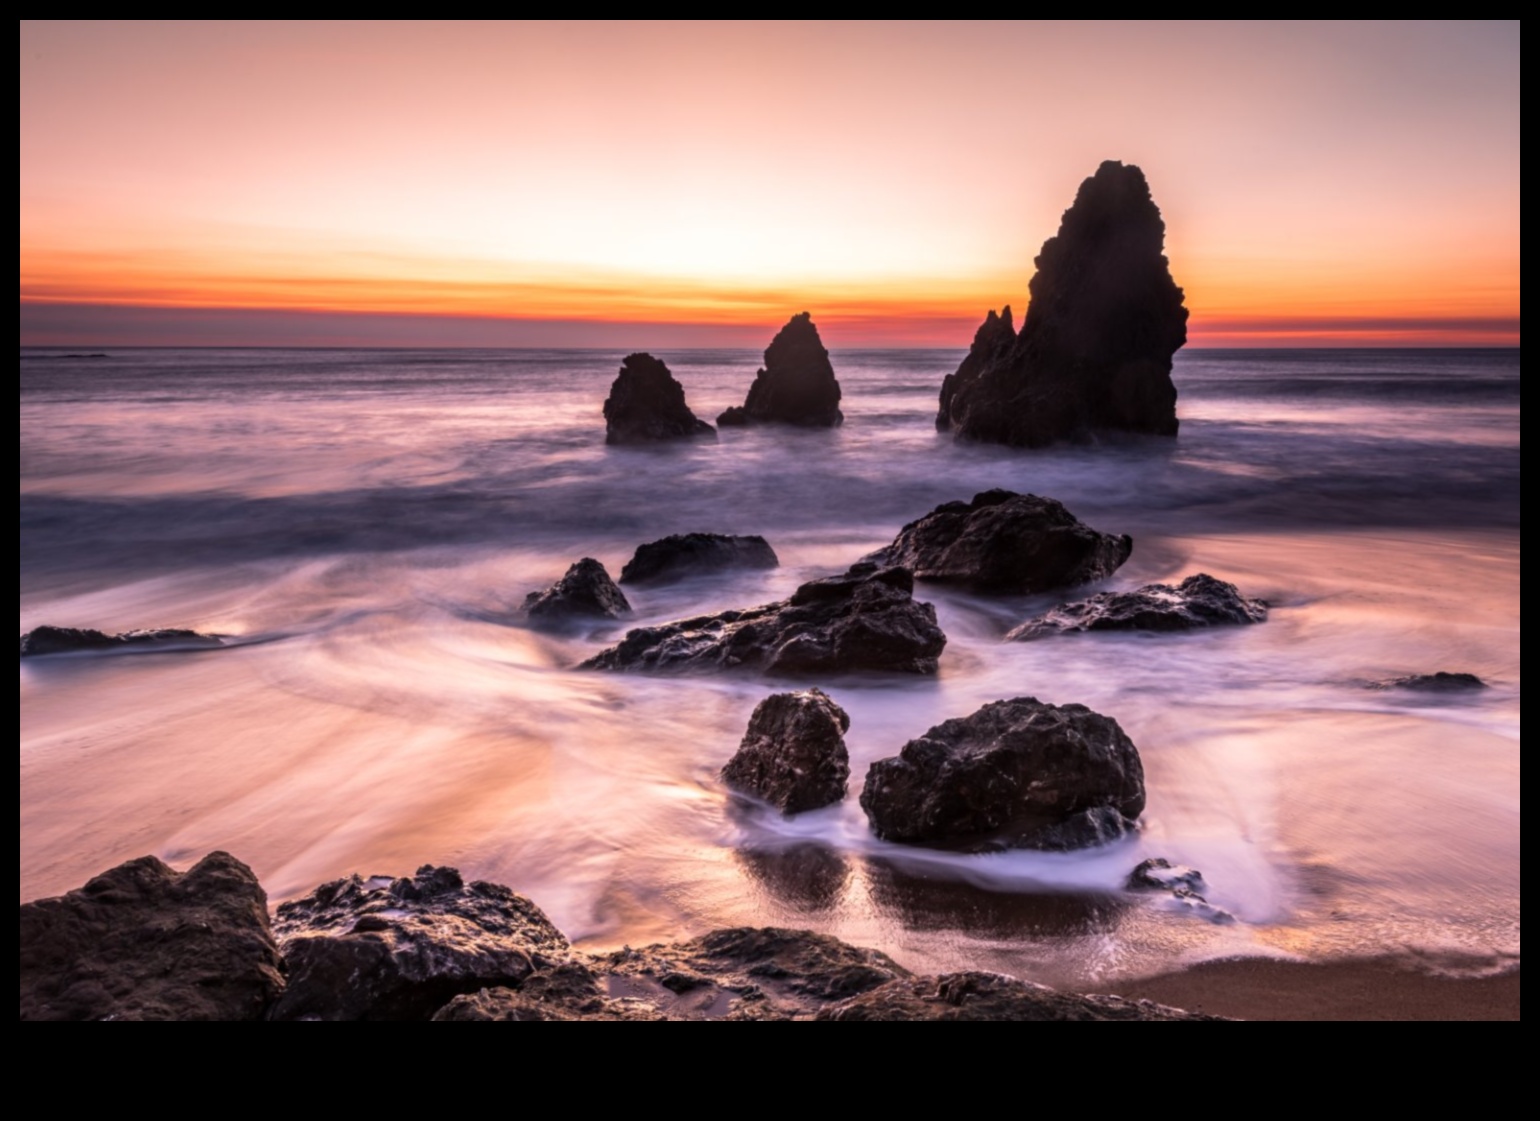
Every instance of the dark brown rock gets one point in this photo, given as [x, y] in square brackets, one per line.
[144, 942]
[1004, 542]
[585, 591]
[1095, 347]
[1184, 885]
[1440, 682]
[1198, 601]
[796, 384]
[646, 405]
[793, 754]
[691, 554]
[866, 619]
[992, 996]
[1015, 774]
[399, 949]
[68, 640]
[569, 991]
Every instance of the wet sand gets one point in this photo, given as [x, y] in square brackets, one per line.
[1374, 989]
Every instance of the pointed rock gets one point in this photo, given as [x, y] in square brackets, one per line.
[796, 384]
[584, 592]
[646, 405]
[793, 754]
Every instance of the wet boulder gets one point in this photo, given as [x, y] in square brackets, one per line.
[793, 754]
[992, 996]
[691, 554]
[568, 991]
[69, 640]
[646, 405]
[796, 385]
[1440, 682]
[1016, 774]
[1198, 601]
[400, 949]
[1003, 542]
[865, 619]
[585, 591]
[144, 942]
[1095, 347]
[1182, 884]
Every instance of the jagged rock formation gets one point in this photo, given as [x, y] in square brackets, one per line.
[585, 591]
[1015, 774]
[399, 949]
[690, 554]
[143, 942]
[1095, 347]
[976, 995]
[865, 619]
[793, 753]
[647, 405]
[1198, 601]
[68, 640]
[1005, 542]
[796, 384]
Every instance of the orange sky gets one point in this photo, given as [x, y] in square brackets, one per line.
[584, 184]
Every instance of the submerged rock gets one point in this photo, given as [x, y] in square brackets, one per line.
[1095, 346]
[1440, 682]
[793, 754]
[1184, 885]
[68, 640]
[1198, 601]
[647, 405]
[1006, 542]
[993, 996]
[866, 619]
[585, 591]
[689, 554]
[399, 949]
[144, 942]
[1016, 774]
[796, 384]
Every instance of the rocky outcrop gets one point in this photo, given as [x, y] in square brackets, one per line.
[793, 754]
[1016, 774]
[992, 996]
[796, 384]
[1004, 542]
[1182, 884]
[143, 942]
[646, 405]
[585, 591]
[692, 554]
[399, 949]
[1198, 601]
[1440, 682]
[1095, 347]
[866, 619]
[69, 640]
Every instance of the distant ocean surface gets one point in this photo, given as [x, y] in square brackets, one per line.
[365, 522]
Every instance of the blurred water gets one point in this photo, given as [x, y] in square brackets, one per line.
[365, 520]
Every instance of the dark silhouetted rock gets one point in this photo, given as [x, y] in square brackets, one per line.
[1440, 682]
[1184, 885]
[734, 416]
[1005, 542]
[69, 640]
[1095, 346]
[143, 942]
[689, 554]
[584, 592]
[866, 619]
[1198, 601]
[646, 405]
[384, 949]
[569, 991]
[793, 754]
[796, 385]
[1015, 774]
[992, 996]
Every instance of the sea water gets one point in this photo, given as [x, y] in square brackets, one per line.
[362, 525]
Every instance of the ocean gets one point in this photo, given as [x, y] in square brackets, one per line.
[363, 524]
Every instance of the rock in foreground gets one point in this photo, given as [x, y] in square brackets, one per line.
[1095, 347]
[692, 554]
[1015, 774]
[1004, 542]
[585, 591]
[992, 996]
[399, 949]
[69, 640]
[796, 384]
[793, 754]
[646, 405]
[866, 619]
[143, 942]
[1198, 601]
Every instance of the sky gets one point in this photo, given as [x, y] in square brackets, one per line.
[649, 185]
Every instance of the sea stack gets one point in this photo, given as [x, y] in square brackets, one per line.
[646, 405]
[796, 385]
[1094, 350]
